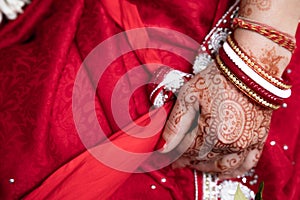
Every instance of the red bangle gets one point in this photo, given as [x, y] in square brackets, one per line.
[242, 87]
[256, 67]
[248, 81]
[282, 39]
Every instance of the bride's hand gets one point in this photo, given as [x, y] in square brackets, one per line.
[216, 127]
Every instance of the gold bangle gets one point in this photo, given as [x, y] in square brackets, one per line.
[258, 69]
[242, 87]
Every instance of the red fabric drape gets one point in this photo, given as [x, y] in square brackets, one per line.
[41, 53]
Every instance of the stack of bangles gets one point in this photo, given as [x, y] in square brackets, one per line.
[247, 75]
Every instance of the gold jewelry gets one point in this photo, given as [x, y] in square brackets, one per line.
[242, 87]
[258, 69]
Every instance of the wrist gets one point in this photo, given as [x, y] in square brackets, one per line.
[273, 58]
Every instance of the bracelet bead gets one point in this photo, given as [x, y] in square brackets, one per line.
[242, 87]
[247, 81]
[256, 67]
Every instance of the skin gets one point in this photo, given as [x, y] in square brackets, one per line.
[230, 132]
[219, 129]
[269, 59]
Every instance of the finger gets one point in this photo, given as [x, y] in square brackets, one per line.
[250, 161]
[222, 165]
[182, 162]
[182, 118]
[188, 145]
[188, 148]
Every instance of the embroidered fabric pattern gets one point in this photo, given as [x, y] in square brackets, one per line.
[214, 189]
[213, 40]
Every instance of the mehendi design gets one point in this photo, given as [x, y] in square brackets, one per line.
[183, 105]
[230, 124]
[230, 115]
[270, 60]
[262, 5]
[230, 162]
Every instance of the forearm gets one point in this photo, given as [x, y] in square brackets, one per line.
[282, 15]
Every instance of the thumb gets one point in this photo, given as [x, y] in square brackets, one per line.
[182, 118]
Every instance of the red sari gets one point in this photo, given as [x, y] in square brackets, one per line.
[42, 155]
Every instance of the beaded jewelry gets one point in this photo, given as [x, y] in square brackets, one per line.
[253, 75]
[247, 81]
[256, 67]
[242, 87]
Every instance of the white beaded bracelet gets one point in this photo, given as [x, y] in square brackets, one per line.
[253, 75]
[172, 82]
[11, 8]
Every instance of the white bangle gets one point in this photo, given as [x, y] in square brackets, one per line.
[253, 75]
[11, 8]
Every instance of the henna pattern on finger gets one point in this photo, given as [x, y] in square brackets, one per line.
[190, 95]
[193, 151]
[187, 100]
[228, 164]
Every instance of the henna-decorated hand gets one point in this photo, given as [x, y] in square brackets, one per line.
[221, 128]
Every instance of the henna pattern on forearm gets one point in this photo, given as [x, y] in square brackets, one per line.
[269, 59]
[247, 6]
